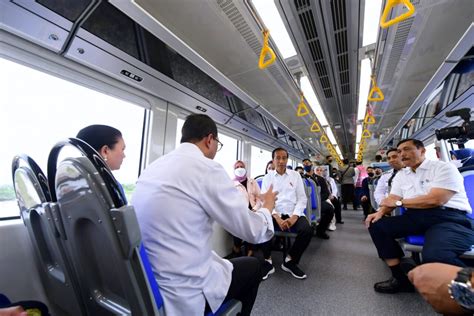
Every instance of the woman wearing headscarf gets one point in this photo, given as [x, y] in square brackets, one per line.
[462, 157]
[251, 192]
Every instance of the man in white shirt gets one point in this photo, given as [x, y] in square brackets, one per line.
[176, 211]
[437, 207]
[385, 181]
[288, 213]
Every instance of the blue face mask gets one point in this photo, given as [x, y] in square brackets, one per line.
[307, 168]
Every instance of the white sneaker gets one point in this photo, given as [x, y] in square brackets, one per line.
[332, 225]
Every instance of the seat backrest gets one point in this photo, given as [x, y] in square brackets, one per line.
[102, 236]
[259, 180]
[38, 214]
[469, 187]
[309, 208]
[315, 198]
[373, 203]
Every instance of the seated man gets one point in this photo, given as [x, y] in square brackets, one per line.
[176, 211]
[385, 181]
[437, 206]
[333, 190]
[288, 213]
[327, 208]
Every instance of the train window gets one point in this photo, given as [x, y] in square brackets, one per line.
[467, 79]
[179, 127]
[122, 35]
[469, 144]
[431, 152]
[434, 105]
[39, 110]
[260, 157]
[228, 154]
[71, 11]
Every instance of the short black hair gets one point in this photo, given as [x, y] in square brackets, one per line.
[370, 168]
[328, 156]
[278, 149]
[378, 157]
[418, 143]
[299, 168]
[196, 127]
[306, 159]
[345, 161]
[391, 149]
[98, 136]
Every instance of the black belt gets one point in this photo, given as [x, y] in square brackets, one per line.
[444, 208]
[451, 209]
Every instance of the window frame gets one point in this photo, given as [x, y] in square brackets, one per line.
[61, 68]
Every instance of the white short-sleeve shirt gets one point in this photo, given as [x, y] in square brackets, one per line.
[432, 174]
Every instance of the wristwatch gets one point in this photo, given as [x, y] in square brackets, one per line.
[461, 290]
[399, 203]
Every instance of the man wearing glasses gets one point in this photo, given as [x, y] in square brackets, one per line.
[176, 211]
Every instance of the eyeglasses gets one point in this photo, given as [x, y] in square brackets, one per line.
[219, 144]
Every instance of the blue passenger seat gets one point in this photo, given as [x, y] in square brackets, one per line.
[259, 180]
[415, 243]
[103, 237]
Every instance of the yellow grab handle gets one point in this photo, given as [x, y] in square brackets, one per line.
[391, 4]
[302, 108]
[266, 50]
[323, 139]
[366, 134]
[375, 89]
[369, 119]
[315, 127]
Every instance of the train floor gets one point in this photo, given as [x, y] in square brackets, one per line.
[341, 272]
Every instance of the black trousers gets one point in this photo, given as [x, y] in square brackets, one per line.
[367, 207]
[246, 278]
[337, 209]
[239, 242]
[327, 213]
[448, 234]
[347, 193]
[304, 233]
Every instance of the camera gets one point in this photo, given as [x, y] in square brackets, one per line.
[458, 134]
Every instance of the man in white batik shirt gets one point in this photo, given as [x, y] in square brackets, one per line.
[176, 211]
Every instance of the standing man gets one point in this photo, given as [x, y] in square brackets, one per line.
[176, 211]
[437, 207]
[385, 182]
[347, 184]
[365, 196]
[288, 214]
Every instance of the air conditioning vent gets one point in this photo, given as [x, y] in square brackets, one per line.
[309, 28]
[403, 29]
[302, 4]
[338, 8]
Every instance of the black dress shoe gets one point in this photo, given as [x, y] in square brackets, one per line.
[392, 285]
[322, 235]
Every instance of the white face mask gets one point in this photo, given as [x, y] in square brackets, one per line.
[240, 172]
[270, 171]
[457, 163]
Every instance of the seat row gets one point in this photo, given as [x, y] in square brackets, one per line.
[86, 238]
